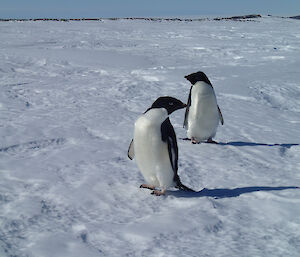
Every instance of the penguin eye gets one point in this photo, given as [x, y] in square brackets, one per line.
[171, 103]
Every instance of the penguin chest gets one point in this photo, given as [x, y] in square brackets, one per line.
[151, 153]
[203, 116]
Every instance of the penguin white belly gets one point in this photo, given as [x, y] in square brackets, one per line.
[203, 115]
[151, 153]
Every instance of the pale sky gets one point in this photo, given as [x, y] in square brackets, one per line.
[144, 8]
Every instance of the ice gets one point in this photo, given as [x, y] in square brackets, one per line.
[70, 93]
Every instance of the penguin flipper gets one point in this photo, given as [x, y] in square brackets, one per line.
[168, 135]
[130, 152]
[185, 123]
[220, 115]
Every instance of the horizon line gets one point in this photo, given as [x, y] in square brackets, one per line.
[192, 17]
[236, 17]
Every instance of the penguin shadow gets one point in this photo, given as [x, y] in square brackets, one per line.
[282, 147]
[226, 192]
[240, 143]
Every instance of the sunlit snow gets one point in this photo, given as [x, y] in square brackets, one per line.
[70, 93]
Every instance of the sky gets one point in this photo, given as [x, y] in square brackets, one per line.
[143, 8]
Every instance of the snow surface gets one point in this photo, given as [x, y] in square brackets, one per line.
[70, 93]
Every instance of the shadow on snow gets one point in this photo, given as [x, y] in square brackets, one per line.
[226, 193]
[241, 143]
[238, 143]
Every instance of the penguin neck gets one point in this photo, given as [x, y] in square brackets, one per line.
[157, 115]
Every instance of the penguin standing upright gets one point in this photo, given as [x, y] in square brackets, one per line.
[154, 146]
[202, 114]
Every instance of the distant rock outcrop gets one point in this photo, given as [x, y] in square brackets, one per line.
[235, 18]
[243, 17]
[296, 17]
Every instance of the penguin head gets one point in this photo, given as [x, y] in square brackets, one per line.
[197, 76]
[171, 104]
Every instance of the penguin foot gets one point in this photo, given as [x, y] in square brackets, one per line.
[147, 186]
[211, 141]
[158, 192]
[194, 141]
[185, 138]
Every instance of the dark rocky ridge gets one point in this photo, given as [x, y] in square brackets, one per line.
[295, 17]
[236, 18]
[249, 17]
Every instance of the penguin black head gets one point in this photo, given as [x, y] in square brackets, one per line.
[197, 76]
[171, 104]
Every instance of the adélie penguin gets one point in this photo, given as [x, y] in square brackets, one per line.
[154, 146]
[202, 114]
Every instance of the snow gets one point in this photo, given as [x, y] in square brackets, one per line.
[70, 94]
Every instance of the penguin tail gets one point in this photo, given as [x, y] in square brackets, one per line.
[182, 186]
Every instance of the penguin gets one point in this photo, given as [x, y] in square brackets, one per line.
[154, 146]
[202, 114]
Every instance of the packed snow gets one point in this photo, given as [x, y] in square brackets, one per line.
[70, 93]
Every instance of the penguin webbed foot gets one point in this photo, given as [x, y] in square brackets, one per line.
[158, 192]
[147, 186]
[194, 141]
[155, 191]
[185, 138]
[210, 141]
